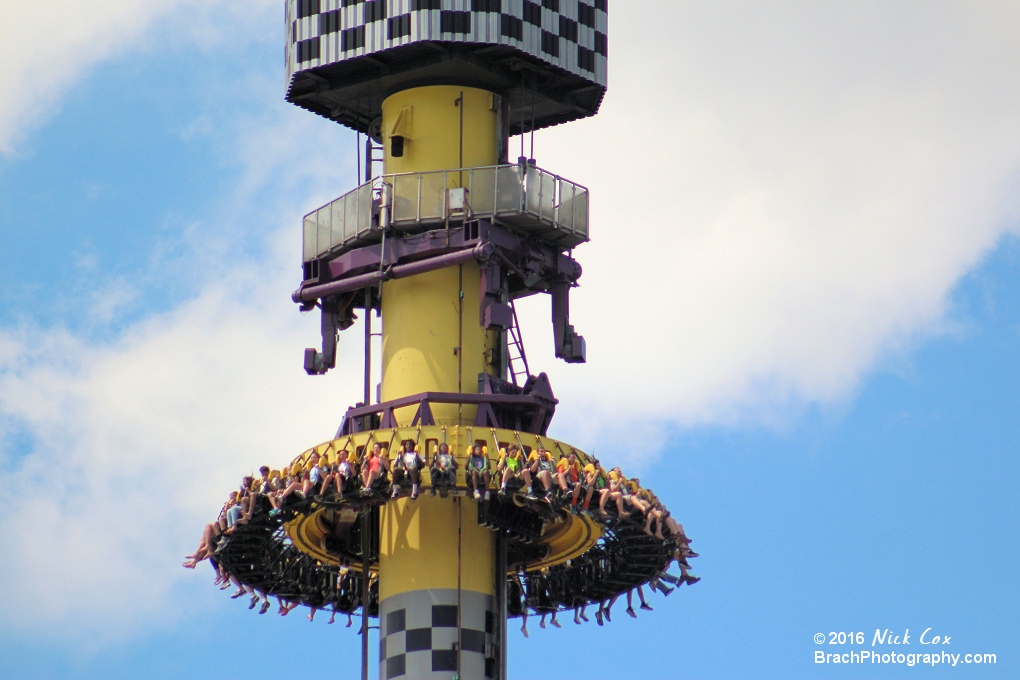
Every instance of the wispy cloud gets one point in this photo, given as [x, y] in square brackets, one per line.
[46, 48]
[134, 440]
[782, 194]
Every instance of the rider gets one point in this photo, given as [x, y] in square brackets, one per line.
[478, 471]
[541, 466]
[444, 469]
[409, 463]
[594, 480]
[374, 467]
[343, 472]
[513, 465]
[568, 476]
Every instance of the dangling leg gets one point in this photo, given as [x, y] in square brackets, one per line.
[526, 476]
[415, 483]
[641, 595]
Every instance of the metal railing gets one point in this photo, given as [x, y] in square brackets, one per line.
[524, 198]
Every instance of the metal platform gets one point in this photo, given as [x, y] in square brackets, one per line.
[524, 198]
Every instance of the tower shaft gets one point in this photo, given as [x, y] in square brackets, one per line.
[437, 575]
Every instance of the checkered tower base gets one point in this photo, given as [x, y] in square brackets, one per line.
[418, 635]
[568, 34]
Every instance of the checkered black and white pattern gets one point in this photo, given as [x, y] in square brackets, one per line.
[568, 34]
[418, 635]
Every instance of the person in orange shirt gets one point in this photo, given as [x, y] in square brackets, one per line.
[375, 468]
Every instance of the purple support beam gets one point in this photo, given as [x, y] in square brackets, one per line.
[312, 293]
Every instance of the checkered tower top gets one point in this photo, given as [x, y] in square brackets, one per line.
[546, 58]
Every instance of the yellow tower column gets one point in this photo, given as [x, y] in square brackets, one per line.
[436, 564]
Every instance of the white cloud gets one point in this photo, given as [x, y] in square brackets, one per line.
[46, 48]
[135, 443]
[782, 193]
[135, 440]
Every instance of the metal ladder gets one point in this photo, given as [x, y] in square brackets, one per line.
[515, 346]
[372, 157]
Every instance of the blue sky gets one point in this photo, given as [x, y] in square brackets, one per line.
[808, 343]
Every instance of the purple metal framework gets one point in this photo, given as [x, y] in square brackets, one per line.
[500, 404]
[513, 266]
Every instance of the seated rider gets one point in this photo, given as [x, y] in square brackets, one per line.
[568, 476]
[443, 470]
[408, 464]
[616, 491]
[373, 469]
[594, 479]
[342, 476]
[265, 485]
[313, 475]
[638, 495]
[512, 465]
[542, 466]
[297, 483]
[478, 471]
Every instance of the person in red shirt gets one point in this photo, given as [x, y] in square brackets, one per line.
[568, 476]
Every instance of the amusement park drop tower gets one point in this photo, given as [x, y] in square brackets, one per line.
[441, 244]
[444, 86]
